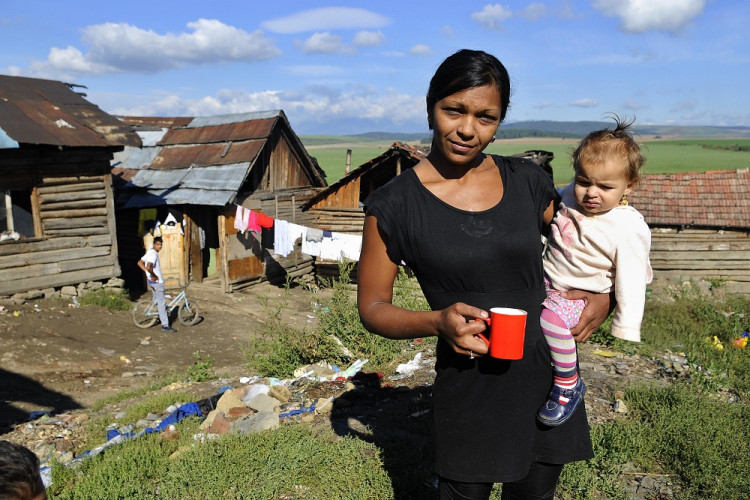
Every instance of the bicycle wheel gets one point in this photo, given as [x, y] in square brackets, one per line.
[144, 314]
[188, 313]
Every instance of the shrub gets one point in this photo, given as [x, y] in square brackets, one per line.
[108, 298]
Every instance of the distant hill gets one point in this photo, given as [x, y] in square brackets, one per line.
[579, 129]
[540, 128]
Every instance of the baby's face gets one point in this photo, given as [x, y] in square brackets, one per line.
[600, 186]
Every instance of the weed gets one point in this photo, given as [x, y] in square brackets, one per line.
[108, 298]
[202, 368]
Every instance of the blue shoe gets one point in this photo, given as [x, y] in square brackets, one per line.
[553, 413]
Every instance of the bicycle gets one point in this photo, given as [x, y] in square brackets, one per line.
[146, 314]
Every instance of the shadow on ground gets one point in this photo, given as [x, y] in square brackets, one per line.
[397, 420]
[17, 388]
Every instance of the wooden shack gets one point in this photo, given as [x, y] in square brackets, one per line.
[700, 225]
[200, 170]
[57, 219]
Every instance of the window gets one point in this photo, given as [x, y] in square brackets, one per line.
[16, 215]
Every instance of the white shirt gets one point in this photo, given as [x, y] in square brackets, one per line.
[601, 252]
[152, 257]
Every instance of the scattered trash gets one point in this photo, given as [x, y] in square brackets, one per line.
[17, 313]
[715, 343]
[125, 360]
[604, 353]
[411, 366]
[741, 341]
[107, 352]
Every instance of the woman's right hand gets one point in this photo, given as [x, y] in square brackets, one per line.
[457, 326]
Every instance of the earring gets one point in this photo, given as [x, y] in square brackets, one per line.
[624, 200]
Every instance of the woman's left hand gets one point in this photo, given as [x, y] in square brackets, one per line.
[598, 306]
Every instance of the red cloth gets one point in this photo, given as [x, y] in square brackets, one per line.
[252, 222]
[265, 221]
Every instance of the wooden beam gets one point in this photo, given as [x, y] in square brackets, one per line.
[59, 279]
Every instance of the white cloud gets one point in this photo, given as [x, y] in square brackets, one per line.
[326, 18]
[325, 43]
[638, 16]
[121, 47]
[369, 38]
[492, 16]
[584, 103]
[448, 31]
[534, 11]
[420, 49]
[310, 105]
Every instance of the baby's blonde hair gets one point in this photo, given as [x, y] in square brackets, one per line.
[602, 144]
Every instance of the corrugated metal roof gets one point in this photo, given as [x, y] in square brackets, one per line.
[215, 185]
[181, 156]
[210, 157]
[240, 131]
[48, 112]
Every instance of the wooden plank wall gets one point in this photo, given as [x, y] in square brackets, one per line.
[74, 220]
[702, 254]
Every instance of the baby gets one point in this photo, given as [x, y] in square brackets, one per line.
[597, 243]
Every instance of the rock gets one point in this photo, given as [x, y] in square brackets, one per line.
[219, 425]
[619, 406]
[228, 401]
[209, 419]
[264, 403]
[281, 393]
[239, 412]
[258, 422]
[50, 293]
[93, 285]
[68, 291]
[115, 283]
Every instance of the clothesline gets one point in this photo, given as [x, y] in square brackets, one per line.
[329, 245]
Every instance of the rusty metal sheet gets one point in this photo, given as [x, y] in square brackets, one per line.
[241, 131]
[48, 112]
[207, 154]
[157, 121]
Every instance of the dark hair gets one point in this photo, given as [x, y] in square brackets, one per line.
[19, 472]
[158, 240]
[467, 69]
[605, 143]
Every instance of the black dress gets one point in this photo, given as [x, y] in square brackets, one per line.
[484, 410]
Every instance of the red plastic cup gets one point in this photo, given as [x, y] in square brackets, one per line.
[507, 330]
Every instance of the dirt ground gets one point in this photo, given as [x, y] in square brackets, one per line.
[57, 358]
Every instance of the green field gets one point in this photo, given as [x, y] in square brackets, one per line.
[662, 156]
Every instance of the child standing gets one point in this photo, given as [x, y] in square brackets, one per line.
[597, 243]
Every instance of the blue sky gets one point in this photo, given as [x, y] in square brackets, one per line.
[353, 67]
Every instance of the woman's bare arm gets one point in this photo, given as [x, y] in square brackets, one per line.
[376, 274]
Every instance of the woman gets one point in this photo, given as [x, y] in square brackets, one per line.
[469, 226]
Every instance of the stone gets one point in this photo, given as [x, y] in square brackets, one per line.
[258, 422]
[238, 412]
[264, 403]
[93, 285]
[220, 425]
[209, 419]
[283, 394]
[228, 401]
[115, 283]
[68, 291]
[50, 293]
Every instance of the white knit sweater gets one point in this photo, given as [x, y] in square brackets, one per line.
[601, 252]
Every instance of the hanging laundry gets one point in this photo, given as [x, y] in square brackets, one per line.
[239, 219]
[252, 222]
[265, 221]
[281, 243]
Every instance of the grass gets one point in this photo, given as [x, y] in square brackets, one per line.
[107, 298]
[662, 156]
[689, 431]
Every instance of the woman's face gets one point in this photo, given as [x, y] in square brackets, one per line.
[464, 123]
